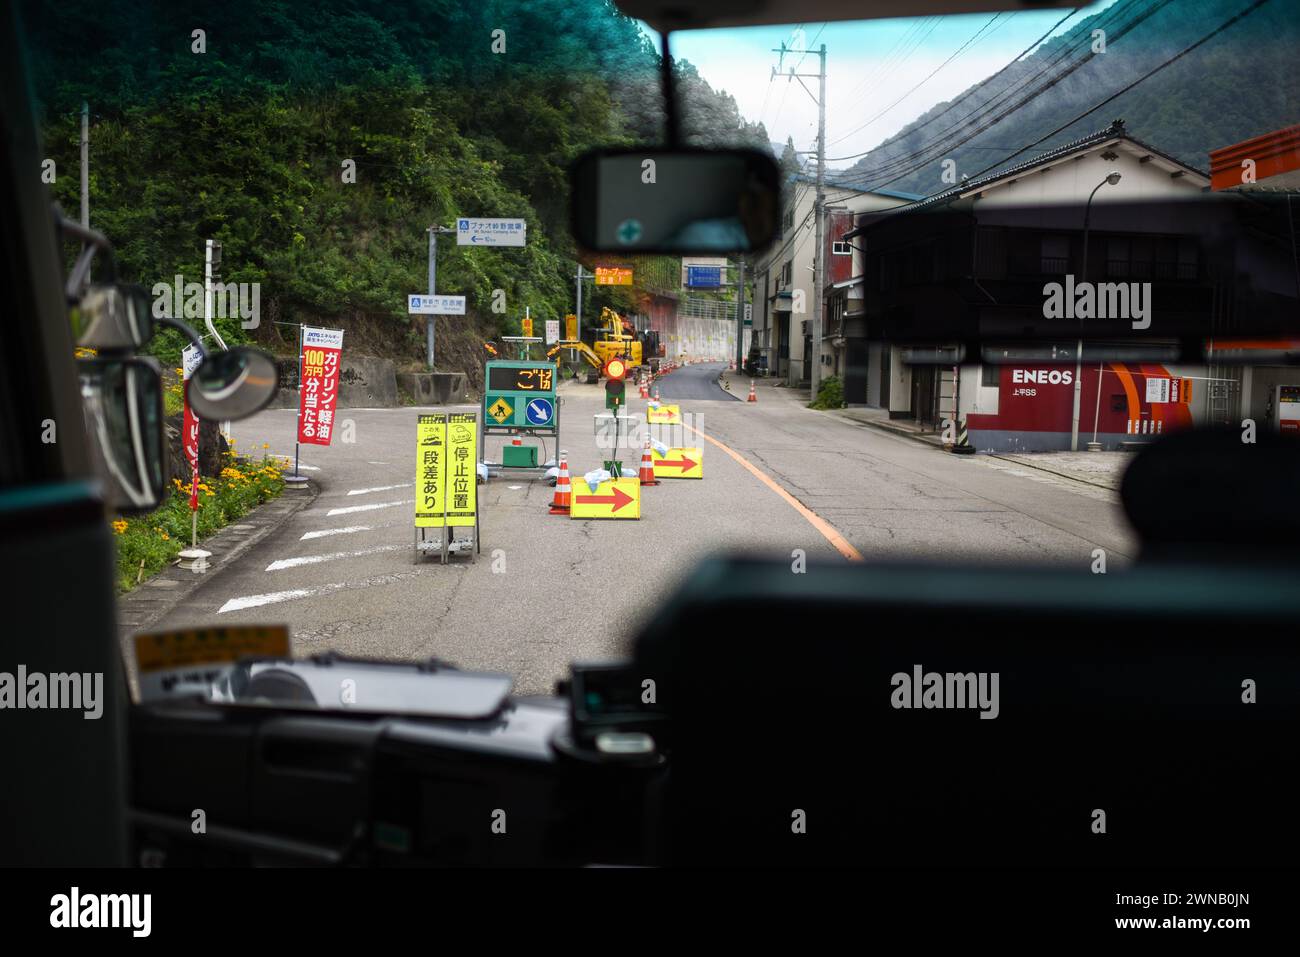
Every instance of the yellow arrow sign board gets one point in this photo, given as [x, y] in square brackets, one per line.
[679, 463]
[616, 498]
[664, 415]
[431, 470]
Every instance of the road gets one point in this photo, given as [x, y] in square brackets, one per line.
[548, 589]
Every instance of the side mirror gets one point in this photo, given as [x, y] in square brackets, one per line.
[233, 384]
[692, 201]
[123, 403]
[114, 316]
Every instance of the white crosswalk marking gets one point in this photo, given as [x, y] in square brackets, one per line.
[379, 488]
[336, 531]
[368, 508]
[317, 559]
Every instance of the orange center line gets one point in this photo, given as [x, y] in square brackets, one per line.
[838, 541]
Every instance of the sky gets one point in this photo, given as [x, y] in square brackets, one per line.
[878, 72]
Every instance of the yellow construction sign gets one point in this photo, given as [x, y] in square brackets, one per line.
[430, 470]
[679, 463]
[501, 410]
[462, 463]
[615, 498]
[664, 415]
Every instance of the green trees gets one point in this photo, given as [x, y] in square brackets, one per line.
[441, 109]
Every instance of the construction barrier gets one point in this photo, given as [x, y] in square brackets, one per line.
[663, 415]
[683, 463]
[615, 498]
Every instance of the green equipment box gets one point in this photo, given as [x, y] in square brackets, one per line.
[519, 456]
[519, 396]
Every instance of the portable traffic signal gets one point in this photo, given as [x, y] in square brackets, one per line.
[615, 387]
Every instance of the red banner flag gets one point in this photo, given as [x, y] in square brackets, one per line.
[189, 421]
[321, 349]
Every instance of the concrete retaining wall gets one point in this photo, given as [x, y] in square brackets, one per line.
[434, 388]
[364, 382]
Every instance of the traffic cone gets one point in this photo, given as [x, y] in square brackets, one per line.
[753, 396]
[647, 473]
[645, 392]
[560, 501]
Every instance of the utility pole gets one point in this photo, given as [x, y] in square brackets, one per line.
[819, 263]
[434, 232]
[740, 316]
[819, 254]
[578, 277]
[85, 164]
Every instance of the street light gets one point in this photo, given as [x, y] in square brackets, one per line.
[1111, 180]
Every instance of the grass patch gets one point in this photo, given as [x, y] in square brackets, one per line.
[830, 394]
[148, 543]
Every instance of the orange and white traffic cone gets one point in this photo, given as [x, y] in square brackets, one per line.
[645, 392]
[560, 501]
[753, 396]
[656, 393]
[647, 473]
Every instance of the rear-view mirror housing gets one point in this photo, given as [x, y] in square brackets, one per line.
[123, 405]
[680, 201]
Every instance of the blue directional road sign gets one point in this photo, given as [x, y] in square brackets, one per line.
[539, 412]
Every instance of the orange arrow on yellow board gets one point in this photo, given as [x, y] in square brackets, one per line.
[618, 499]
[679, 463]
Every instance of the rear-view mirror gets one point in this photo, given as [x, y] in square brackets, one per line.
[690, 201]
[114, 316]
[232, 384]
[123, 404]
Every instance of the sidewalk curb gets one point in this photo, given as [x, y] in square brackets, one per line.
[1044, 468]
[891, 430]
[154, 598]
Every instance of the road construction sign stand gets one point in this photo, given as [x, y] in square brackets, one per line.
[446, 483]
[612, 498]
[678, 463]
[519, 399]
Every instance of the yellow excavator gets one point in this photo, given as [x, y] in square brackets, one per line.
[614, 341]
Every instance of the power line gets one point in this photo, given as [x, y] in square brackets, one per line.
[911, 163]
[1109, 99]
[958, 52]
[976, 89]
[884, 65]
[985, 115]
[1116, 95]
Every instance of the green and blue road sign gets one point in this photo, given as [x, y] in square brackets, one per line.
[520, 395]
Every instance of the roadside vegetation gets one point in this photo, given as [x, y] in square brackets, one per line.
[830, 394]
[148, 543]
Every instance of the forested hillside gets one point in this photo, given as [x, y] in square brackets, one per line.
[1240, 83]
[447, 109]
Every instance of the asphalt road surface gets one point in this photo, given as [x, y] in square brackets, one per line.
[547, 590]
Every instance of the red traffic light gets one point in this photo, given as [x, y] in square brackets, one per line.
[615, 368]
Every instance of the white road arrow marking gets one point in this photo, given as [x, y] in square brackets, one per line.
[317, 559]
[336, 531]
[379, 488]
[368, 508]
